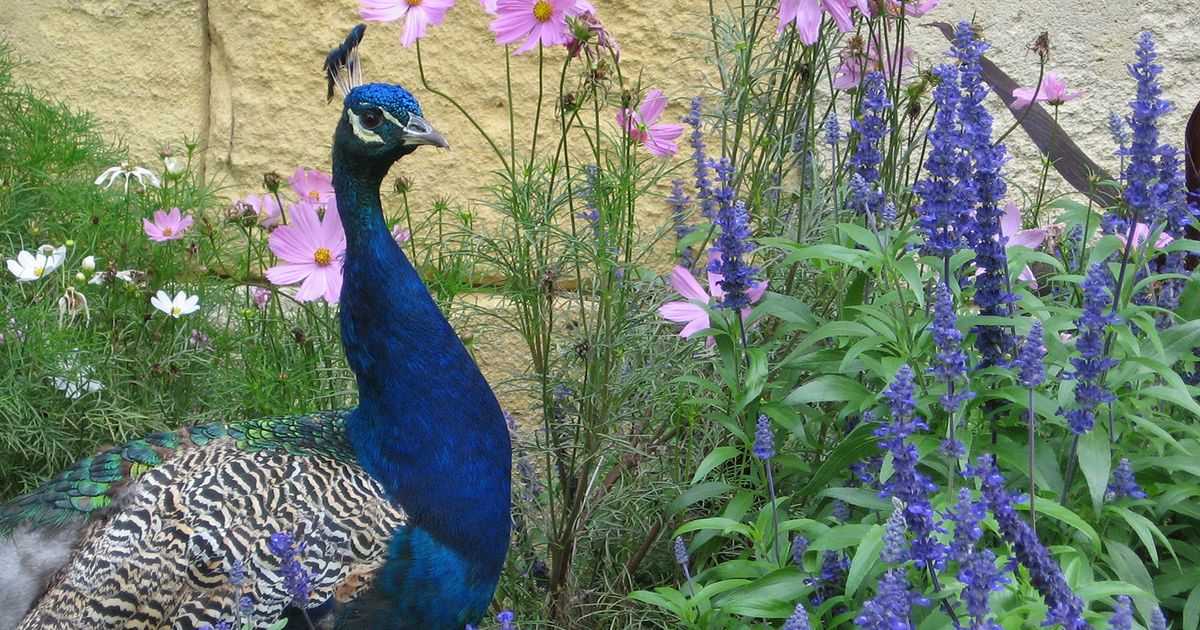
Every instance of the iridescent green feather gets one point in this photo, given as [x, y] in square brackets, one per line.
[93, 482]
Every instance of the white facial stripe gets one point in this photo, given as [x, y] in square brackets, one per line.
[364, 134]
[391, 119]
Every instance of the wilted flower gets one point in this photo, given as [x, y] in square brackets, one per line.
[178, 306]
[311, 249]
[167, 226]
[643, 126]
[73, 304]
[126, 171]
[264, 208]
[417, 15]
[857, 63]
[1052, 90]
[33, 266]
[588, 36]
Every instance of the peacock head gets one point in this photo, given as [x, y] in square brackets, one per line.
[380, 123]
[383, 122]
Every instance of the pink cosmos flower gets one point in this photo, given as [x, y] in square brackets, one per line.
[910, 8]
[311, 249]
[856, 64]
[417, 14]
[312, 185]
[266, 209]
[400, 234]
[807, 15]
[1010, 228]
[166, 226]
[1141, 232]
[261, 296]
[537, 21]
[643, 126]
[1053, 91]
[693, 315]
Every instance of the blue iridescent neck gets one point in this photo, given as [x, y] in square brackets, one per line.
[427, 427]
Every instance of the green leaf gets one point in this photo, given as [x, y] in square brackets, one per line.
[1107, 588]
[756, 377]
[718, 523]
[854, 447]
[665, 598]
[718, 456]
[841, 537]
[1181, 339]
[830, 252]
[1052, 509]
[860, 497]
[1128, 566]
[698, 493]
[1177, 394]
[864, 559]
[771, 597]
[1145, 530]
[1095, 461]
[828, 388]
[1191, 610]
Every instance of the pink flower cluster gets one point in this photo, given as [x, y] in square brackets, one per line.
[536, 22]
[312, 245]
[808, 15]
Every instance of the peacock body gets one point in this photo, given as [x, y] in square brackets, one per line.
[399, 508]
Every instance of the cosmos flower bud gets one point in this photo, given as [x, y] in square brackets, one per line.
[174, 165]
[89, 264]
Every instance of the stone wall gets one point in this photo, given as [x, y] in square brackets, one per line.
[244, 77]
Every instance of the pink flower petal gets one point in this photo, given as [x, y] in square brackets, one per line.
[681, 312]
[290, 273]
[652, 106]
[1032, 238]
[685, 283]
[313, 287]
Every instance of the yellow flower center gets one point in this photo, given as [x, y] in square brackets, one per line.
[323, 257]
[413, 3]
[542, 10]
[38, 271]
[175, 310]
[314, 194]
[167, 231]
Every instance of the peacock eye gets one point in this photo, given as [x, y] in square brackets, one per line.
[372, 118]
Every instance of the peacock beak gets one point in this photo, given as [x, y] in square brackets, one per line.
[419, 131]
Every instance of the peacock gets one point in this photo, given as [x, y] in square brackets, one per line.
[397, 511]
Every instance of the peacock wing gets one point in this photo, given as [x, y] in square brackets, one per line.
[89, 487]
[164, 557]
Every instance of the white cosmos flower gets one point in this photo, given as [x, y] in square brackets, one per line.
[32, 266]
[110, 175]
[176, 307]
[79, 381]
[174, 165]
